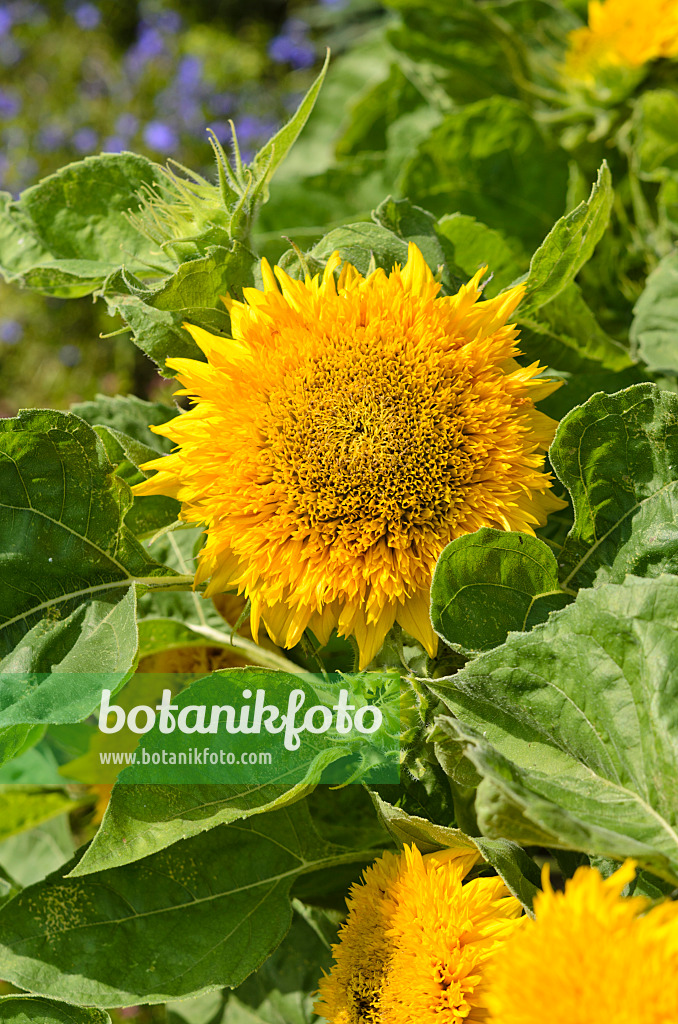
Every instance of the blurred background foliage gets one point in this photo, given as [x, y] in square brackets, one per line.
[465, 108]
[79, 78]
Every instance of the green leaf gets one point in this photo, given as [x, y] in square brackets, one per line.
[569, 245]
[470, 48]
[141, 820]
[654, 331]
[149, 513]
[566, 335]
[22, 1009]
[283, 991]
[65, 235]
[413, 224]
[24, 807]
[29, 856]
[359, 244]
[575, 723]
[192, 294]
[490, 160]
[491, 582]
[69, 561]
[618, 457]
[16, 739]
[513, 865]
[225, 892]
[129, 415]
[653, 142]
[472, 245]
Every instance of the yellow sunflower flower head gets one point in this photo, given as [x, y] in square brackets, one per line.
[417, 942]
[589, 956]
[622, 34]
[349, 430]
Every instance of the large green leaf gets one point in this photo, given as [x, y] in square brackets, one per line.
[491, 582]
[576, 725]
[225, 893]
[65, 235]
[618, 457]
[142, 819]
[69, 561]
[464, 41]
[156, 315]
[569, 245]
[22, 1009]
[490, 160]
[654, 331]
[364, 245]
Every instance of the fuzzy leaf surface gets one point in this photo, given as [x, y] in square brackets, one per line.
[576, 725]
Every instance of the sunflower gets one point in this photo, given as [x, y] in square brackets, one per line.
[349, 430]
[622, 34]
[590, 955]
[417, 942]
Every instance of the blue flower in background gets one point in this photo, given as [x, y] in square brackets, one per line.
[50, 137]
[70, 355]
[222, 103]
[10, 105]
[160, 136]
[149, 45]
[127, 125]
[293, 46]
[85, 140]
[189, 72]
[11, 331]
[114, 144]
[6, 21]
[168, 21]
[87, 16]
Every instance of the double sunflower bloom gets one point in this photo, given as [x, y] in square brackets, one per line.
[350, 429]
[421, 946]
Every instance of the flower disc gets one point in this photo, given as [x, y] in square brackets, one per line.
[347, 433]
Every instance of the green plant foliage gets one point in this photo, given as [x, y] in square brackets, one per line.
[142, 819]
[617, 456]
[569, 245]
[473, 245]
[491, 582]
[284, 988]
[654, 331]
[156, 315]
[491, 160]
[575, 725]
[25, 807]
[226, 892]
[566, 335]
[654, 148]
[60, 247]
[59, 494]
[33, 1010]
